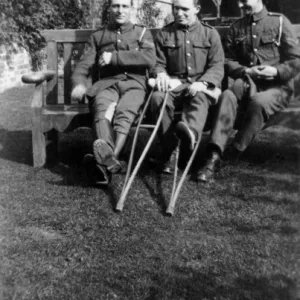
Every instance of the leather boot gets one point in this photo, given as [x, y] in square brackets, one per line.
[98, 175]
[119, 143]
[211, 166]
[104, 145]
[104, 131]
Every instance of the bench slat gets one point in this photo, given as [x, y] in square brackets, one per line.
[68, 47]
[67, 35]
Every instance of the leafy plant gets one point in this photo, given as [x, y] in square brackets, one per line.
[149, 13]
[22, 20]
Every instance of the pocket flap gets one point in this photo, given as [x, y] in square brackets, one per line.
[201, 44]
[172, 44]
[268, 39]
[239, 40]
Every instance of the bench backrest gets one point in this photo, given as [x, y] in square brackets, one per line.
[69, 40]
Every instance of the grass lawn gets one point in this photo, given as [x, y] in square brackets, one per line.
[60, 239]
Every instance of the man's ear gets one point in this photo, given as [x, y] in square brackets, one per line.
[198, 8]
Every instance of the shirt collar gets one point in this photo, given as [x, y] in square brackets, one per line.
[190, 27]
[260, 15]
[123, 28]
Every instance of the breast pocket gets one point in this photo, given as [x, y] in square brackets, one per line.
[201, 50]
[243, 49]
[268, 46]
[132, 45]
[174, 53]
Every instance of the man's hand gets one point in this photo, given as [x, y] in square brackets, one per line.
[105, 59]
[162, 82]
[196, 87]
[78, 92]
[262, 72]
[174, 83]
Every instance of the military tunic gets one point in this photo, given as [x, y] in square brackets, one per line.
[122, 82]
[263, 38]
[191, 54]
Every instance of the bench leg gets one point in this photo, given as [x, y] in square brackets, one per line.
[38, 146]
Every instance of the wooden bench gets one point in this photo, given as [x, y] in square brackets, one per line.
[51, 108]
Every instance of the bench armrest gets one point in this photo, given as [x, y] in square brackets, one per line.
[38, 77]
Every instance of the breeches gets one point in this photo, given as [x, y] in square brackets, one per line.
[119, 103]
[247, 114]
[194, 109]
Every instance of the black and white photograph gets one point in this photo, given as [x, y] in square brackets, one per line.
[149, 150]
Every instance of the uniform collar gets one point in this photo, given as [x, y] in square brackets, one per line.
[260, 15]
[190, 27]
[123, 28]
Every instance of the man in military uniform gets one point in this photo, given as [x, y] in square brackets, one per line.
[190, 65]
[262, 56]
[120, 53]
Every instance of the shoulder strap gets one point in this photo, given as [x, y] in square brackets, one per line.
[142, 34]
[278, 42]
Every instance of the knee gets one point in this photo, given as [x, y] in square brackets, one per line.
[157, 99]
[256, 104]
[228, 97]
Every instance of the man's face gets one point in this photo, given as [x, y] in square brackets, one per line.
[185, 12]
[120, 11]
[248, 6]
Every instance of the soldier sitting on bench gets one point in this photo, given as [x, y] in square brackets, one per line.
[121, 52]
[190, 65]
[262, 55]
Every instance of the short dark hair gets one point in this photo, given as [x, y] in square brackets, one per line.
[196, 3]
[109, 2]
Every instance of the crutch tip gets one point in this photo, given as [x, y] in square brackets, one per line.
[169, 212]
[118, 209]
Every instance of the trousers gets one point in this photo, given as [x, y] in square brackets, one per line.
[248, 113]
[120, 103]
[194, 113]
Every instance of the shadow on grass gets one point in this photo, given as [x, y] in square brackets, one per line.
[156, 192]
[16, 146]
[190, 284]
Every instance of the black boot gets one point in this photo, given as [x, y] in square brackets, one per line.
[104, 145]
[97, 174]
[212, 165]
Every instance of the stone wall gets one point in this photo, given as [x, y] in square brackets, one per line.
[14, 62]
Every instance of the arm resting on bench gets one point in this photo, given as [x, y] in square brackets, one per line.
[38, 77]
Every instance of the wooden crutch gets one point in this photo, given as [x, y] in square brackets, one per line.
[176, 191]
[129, 180]
[215, 94]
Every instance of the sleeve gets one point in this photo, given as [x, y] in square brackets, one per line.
[215, 62]
[84, 67]
[289, 52]
[161, 59]
[144, 57]
[232, 66]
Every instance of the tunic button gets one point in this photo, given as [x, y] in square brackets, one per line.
[251, 64]
[125, 73]
[189, 79]
[255, 50]
[253, 24]
[188, 54]
[119, 41]
[119, 32]
[189, 68]
[254, 36]
[187, 42]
